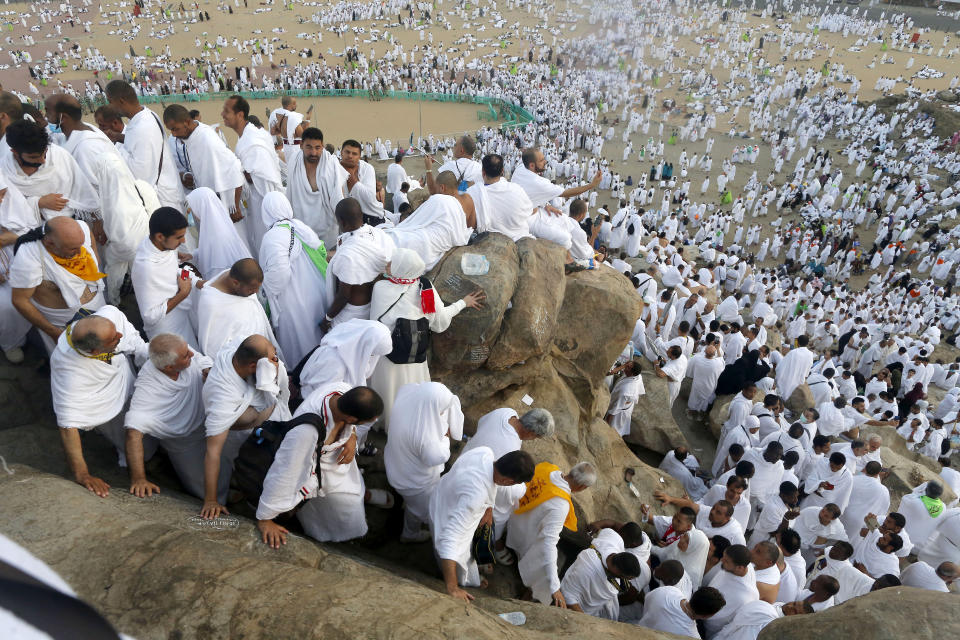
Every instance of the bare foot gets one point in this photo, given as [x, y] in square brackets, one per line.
[483, 583]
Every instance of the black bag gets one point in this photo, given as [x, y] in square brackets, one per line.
[411, 338]
[259, 450]
[482, 546]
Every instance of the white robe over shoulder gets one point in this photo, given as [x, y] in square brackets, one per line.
[317, 208]
[223, 317]
[585, 582]
[294, 283]
[172, 412]
[419, 443]
[438, 225]
[534, 535]
[154, 274]
[462, 496]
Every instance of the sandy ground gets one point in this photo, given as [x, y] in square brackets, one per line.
[344, 118]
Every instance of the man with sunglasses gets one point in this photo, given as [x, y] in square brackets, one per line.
[47, 175]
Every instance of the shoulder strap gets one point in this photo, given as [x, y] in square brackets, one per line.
[163, 143]
[392, 306]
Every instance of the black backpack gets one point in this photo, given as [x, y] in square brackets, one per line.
[411, 338]
[259, 450]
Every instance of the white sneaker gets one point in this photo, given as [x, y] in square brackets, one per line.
[14, 355]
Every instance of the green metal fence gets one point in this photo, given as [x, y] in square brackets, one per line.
[513, 116]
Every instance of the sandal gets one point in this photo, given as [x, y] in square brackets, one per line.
[380, 498]
[503, 556]
[368, 451]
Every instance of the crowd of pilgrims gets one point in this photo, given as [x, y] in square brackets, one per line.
[280, 312]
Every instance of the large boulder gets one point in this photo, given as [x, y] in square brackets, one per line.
[719, 413]
[550, 347]
[800, 400]
[531, 321]
[653, 426]
[906, 475]
[889, 614]
[467, 342]
[156, 571]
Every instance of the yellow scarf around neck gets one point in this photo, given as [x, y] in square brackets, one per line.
[81, 265]
[540, 489]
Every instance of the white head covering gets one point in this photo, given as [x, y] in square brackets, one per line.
[276, 208]
[406, 264]
[220, 245]
[359, 343]
[432, 406]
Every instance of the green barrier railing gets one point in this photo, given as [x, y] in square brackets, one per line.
[513, 116]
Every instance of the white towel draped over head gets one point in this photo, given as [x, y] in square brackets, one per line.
[276, 208]
[220, 245]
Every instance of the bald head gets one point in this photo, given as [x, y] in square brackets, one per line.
[245, 278]
[64, 237]
[94, 335]
[948, 571]
[349, 215]
[710, 351]
[447, 183]
[250, 351]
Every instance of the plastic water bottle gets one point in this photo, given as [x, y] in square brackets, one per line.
[474, 264]
[516, 618]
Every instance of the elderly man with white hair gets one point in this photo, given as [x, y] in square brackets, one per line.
[91, 381]
[502, 431]
[167, 405]
[544, 510]
[428, 416]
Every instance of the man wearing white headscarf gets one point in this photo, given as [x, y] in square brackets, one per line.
[163, 294]
[91, 381]
[228, 308]
[544, 510]
[167, 405]
[348, 353]
[438, 225]
[246, 386]
[428, 416]
[220, 244]
[16, 218]
[294, 263]
[55, 273]
[315, 184]
[261, 166]
[402, 295]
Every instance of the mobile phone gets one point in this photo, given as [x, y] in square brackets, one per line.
[830, 486]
